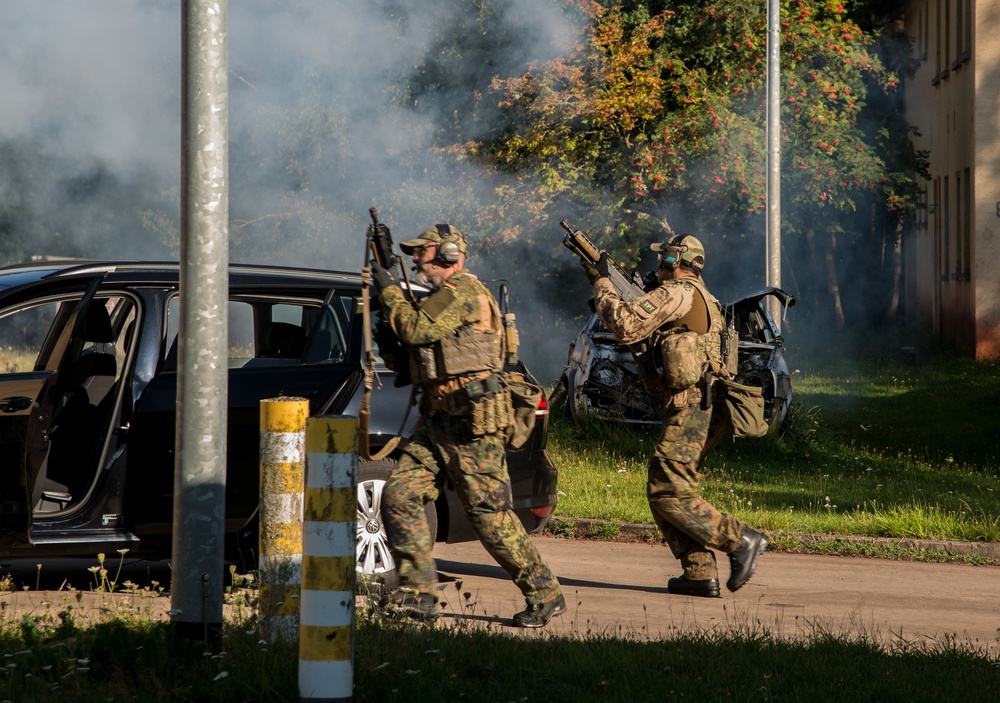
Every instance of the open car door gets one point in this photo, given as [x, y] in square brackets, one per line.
[29, 400]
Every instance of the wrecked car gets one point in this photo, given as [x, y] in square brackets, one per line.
[601, 379]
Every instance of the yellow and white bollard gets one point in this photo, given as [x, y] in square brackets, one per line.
[282, 479]
[329, 538]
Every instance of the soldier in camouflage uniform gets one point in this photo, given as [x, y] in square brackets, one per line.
[661, 319]
[454, 340]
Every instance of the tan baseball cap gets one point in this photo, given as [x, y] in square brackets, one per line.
[436, 234]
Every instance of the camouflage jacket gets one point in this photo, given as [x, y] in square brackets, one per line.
[635, 321]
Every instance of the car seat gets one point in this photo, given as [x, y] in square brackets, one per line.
[283, 340]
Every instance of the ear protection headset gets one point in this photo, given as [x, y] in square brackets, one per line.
[450, 248]
[670, 256]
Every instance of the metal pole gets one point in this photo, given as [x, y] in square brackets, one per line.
[773, 245]
[329, 561]
[200, 447]
[282, 482]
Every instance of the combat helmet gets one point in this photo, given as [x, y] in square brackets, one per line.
[682, 249]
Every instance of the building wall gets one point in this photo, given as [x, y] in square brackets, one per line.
[952, 101]
[986, 242]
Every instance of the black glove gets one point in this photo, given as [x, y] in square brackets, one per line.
[382, 277]
[590, 270]
[651, 281]
[604, 265]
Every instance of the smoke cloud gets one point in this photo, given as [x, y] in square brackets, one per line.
[334, 107]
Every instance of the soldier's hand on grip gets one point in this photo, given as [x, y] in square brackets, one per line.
[604, 265]
[382, 277]
[592, 273]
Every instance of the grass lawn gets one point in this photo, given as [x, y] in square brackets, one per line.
[881, 447]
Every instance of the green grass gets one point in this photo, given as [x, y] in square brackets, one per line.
[877, 448]
[50, 660]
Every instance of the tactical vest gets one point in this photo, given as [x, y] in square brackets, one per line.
[463, 375]
[698, 342]
[463, 352]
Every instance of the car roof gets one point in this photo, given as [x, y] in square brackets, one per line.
[16, 275]
[751, 299]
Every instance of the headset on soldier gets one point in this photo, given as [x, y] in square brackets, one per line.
[450, 248]
[682, 249]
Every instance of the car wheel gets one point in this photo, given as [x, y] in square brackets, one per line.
[376, 567]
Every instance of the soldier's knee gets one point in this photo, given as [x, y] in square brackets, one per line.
[398, 498]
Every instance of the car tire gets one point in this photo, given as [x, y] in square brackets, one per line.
[376, 569]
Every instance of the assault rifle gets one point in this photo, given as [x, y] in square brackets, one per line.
[380, 242]
[628, 286]
[390, 347]
[391, 350]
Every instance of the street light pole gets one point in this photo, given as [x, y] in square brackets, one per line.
[202, 338]
[773, 244]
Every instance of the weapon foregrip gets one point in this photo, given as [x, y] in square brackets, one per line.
[585, 248]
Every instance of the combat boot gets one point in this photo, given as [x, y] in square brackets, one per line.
[743, 560]
[683, 586]
[539, 614]
[411, 604]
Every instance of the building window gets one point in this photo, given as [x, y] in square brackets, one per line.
[942, 44]
[967, 21]
[959, 226]
[963, 33]
[922, 21]
[920, 216]
[945, 231]
[966, 232]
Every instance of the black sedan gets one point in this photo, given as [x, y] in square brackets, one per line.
[88, 376]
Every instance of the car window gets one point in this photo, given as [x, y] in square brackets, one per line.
[242, 346]
[328, 342]
[29, 330]
[264, 332]
[23, 331]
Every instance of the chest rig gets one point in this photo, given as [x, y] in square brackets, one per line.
[683, 350]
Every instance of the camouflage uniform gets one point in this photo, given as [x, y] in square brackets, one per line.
[690, 525]
[444, 447]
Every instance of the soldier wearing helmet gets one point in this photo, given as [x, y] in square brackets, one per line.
[676, 332]
[454, 341]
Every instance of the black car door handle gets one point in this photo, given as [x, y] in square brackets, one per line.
[15, 404]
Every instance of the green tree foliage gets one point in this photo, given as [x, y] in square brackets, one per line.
[658, 112]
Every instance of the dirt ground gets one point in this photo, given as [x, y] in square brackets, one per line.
[620, 588]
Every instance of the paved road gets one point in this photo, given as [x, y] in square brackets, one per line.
[620, 588]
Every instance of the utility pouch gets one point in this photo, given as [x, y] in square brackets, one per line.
[745, 405]
[524, 398]
[682, 357]
[491, 413]
[729, 350]
[423, 365]
[479, 387]
[510, 339]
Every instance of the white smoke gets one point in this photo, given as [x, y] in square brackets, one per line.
[329, 114]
